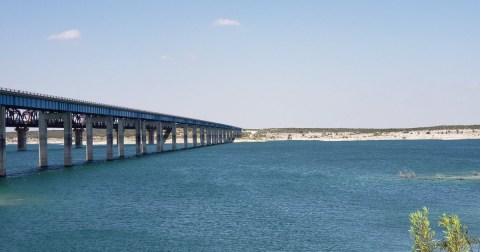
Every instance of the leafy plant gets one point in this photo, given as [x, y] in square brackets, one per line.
[421, 232]
[456, 235]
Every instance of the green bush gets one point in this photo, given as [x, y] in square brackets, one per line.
[420, 231]
[456, 234]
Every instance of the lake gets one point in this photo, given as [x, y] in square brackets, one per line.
[271, 196]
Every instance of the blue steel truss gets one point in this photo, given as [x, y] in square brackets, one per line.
[28, 100]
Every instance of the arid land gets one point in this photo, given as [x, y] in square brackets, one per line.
[454, 132]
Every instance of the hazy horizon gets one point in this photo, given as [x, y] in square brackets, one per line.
[254, 64]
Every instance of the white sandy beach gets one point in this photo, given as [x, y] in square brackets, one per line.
[353, 136]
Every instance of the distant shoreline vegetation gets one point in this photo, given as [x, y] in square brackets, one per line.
[443, 132]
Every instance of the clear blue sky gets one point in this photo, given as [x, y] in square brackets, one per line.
[275, 63]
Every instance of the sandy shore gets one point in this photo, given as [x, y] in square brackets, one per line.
[252, 136]
[459, 134]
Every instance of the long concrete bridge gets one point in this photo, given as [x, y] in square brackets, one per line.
[23, 110]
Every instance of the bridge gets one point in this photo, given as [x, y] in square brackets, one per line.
[23, 110]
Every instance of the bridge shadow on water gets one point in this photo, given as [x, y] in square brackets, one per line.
[21, 163]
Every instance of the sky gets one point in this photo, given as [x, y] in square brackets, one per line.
[254, 64]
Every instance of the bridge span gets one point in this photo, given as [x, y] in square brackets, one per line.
[23, 110]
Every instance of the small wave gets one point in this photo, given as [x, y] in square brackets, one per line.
[406, 174]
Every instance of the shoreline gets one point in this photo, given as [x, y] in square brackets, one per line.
[298, 134]
[357, 135]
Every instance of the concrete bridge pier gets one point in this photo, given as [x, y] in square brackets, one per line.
[144, 137]
[220, 136]
[42, 140]
[213, 135]
[89, 126]
[120, 138]
[67, 139]
[159, 132]
[202, 136]
[174, 136]
[185, 136]
[3, 147]
[138, 137]
[194, 136]
[209, 136]
[78, 137]
[109, 121]
[89, 150]
[151, 136]
[21, 138]
[43, 137]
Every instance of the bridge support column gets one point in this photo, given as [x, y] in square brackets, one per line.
[3, 147]
[174, 136]
[78, 137]
[120, 139]
[42, 140]
[109, 121]
[209, 136]
[138, 137]
[89, 126]
[21, 138]
[151, 136]
[89, 151]
[202, 136]
[215, 136]
[185, 136]
[67, 139]
[194, 136]
[144, 137]
[159, 131]
[43, 137]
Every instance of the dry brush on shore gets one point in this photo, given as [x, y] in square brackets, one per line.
[352, 134]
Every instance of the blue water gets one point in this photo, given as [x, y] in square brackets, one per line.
[274, 196]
